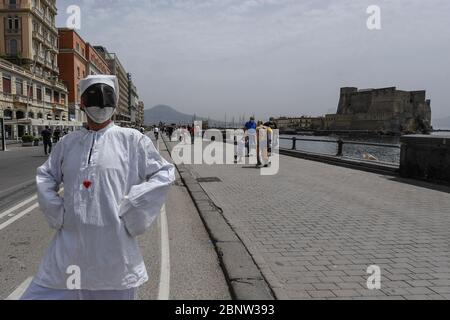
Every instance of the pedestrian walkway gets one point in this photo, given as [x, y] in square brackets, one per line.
[314, 229]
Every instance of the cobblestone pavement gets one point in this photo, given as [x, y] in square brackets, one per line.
[314, 229]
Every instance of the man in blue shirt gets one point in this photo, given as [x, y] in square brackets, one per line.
[250, 128]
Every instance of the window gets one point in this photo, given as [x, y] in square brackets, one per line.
[48, 95]
[31, 115]
[78, 71]
[30, 90]
[7, 84]
[39, 93]
[13, 24]
[20, 115]
[13, 47]
[55, 97]
[19, 87]
[40, 115]
[7, 114]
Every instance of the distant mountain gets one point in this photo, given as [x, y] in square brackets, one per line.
[166, 114]
[443, 123]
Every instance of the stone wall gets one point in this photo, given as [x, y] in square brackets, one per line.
[386, 109]
[426, 157]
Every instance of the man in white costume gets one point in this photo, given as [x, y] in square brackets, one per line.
[115, 183]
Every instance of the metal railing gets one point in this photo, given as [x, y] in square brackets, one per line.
[340, 144]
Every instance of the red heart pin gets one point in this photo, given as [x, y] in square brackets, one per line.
[87, 184]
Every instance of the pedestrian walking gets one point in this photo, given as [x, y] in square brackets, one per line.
[250, 128]
[115, 184]
[47, 140]
[262, 151]
[156, 133]
[56, 135]
[241, 143]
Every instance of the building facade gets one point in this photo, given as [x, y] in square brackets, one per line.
[73, 67]
[123, 113]
[32, 95]
[133, 100]
[295, 123]
[140, 114]
[29, 34]
[29, 102]
[383, 110]
[95, 62]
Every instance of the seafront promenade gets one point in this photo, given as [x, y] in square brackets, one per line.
[309, 232]
[314, 229]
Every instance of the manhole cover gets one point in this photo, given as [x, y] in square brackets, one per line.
[209, 179]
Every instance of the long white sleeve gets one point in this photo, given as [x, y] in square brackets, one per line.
[143, 203]
[48, 180]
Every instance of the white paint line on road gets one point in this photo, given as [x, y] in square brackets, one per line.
[164, 280]
[17, 217]
[18, 293]
[23, 203]
[21, 214]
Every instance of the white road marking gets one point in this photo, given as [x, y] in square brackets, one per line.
[21, 214]
[164, 280]
[18, 293]
[7, 212]
[17, 217]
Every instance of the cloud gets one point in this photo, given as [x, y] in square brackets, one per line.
[271, 56]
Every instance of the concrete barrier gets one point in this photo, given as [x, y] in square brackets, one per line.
[426, 157]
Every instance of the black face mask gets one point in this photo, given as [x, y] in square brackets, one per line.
[99, 95]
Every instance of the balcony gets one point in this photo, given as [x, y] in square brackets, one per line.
[45, 19]
[39, 59]
[38, 36]
[19, 99]
[59, 107]
[7, 97]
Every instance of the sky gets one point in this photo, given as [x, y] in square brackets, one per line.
[271, 57]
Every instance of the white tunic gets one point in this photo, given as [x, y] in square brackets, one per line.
[115, 183]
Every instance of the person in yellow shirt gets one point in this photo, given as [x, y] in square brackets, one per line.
[262, 149]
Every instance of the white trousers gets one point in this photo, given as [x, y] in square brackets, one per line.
[36, 292]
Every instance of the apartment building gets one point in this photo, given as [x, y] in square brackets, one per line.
[133, 100]
[140, 114]
[31, 94]
[123, 114]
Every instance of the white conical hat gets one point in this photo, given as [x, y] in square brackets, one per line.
[111, 81]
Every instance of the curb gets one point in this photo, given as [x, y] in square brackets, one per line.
[243, 276]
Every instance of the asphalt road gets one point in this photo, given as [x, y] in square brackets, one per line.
[179, 256]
